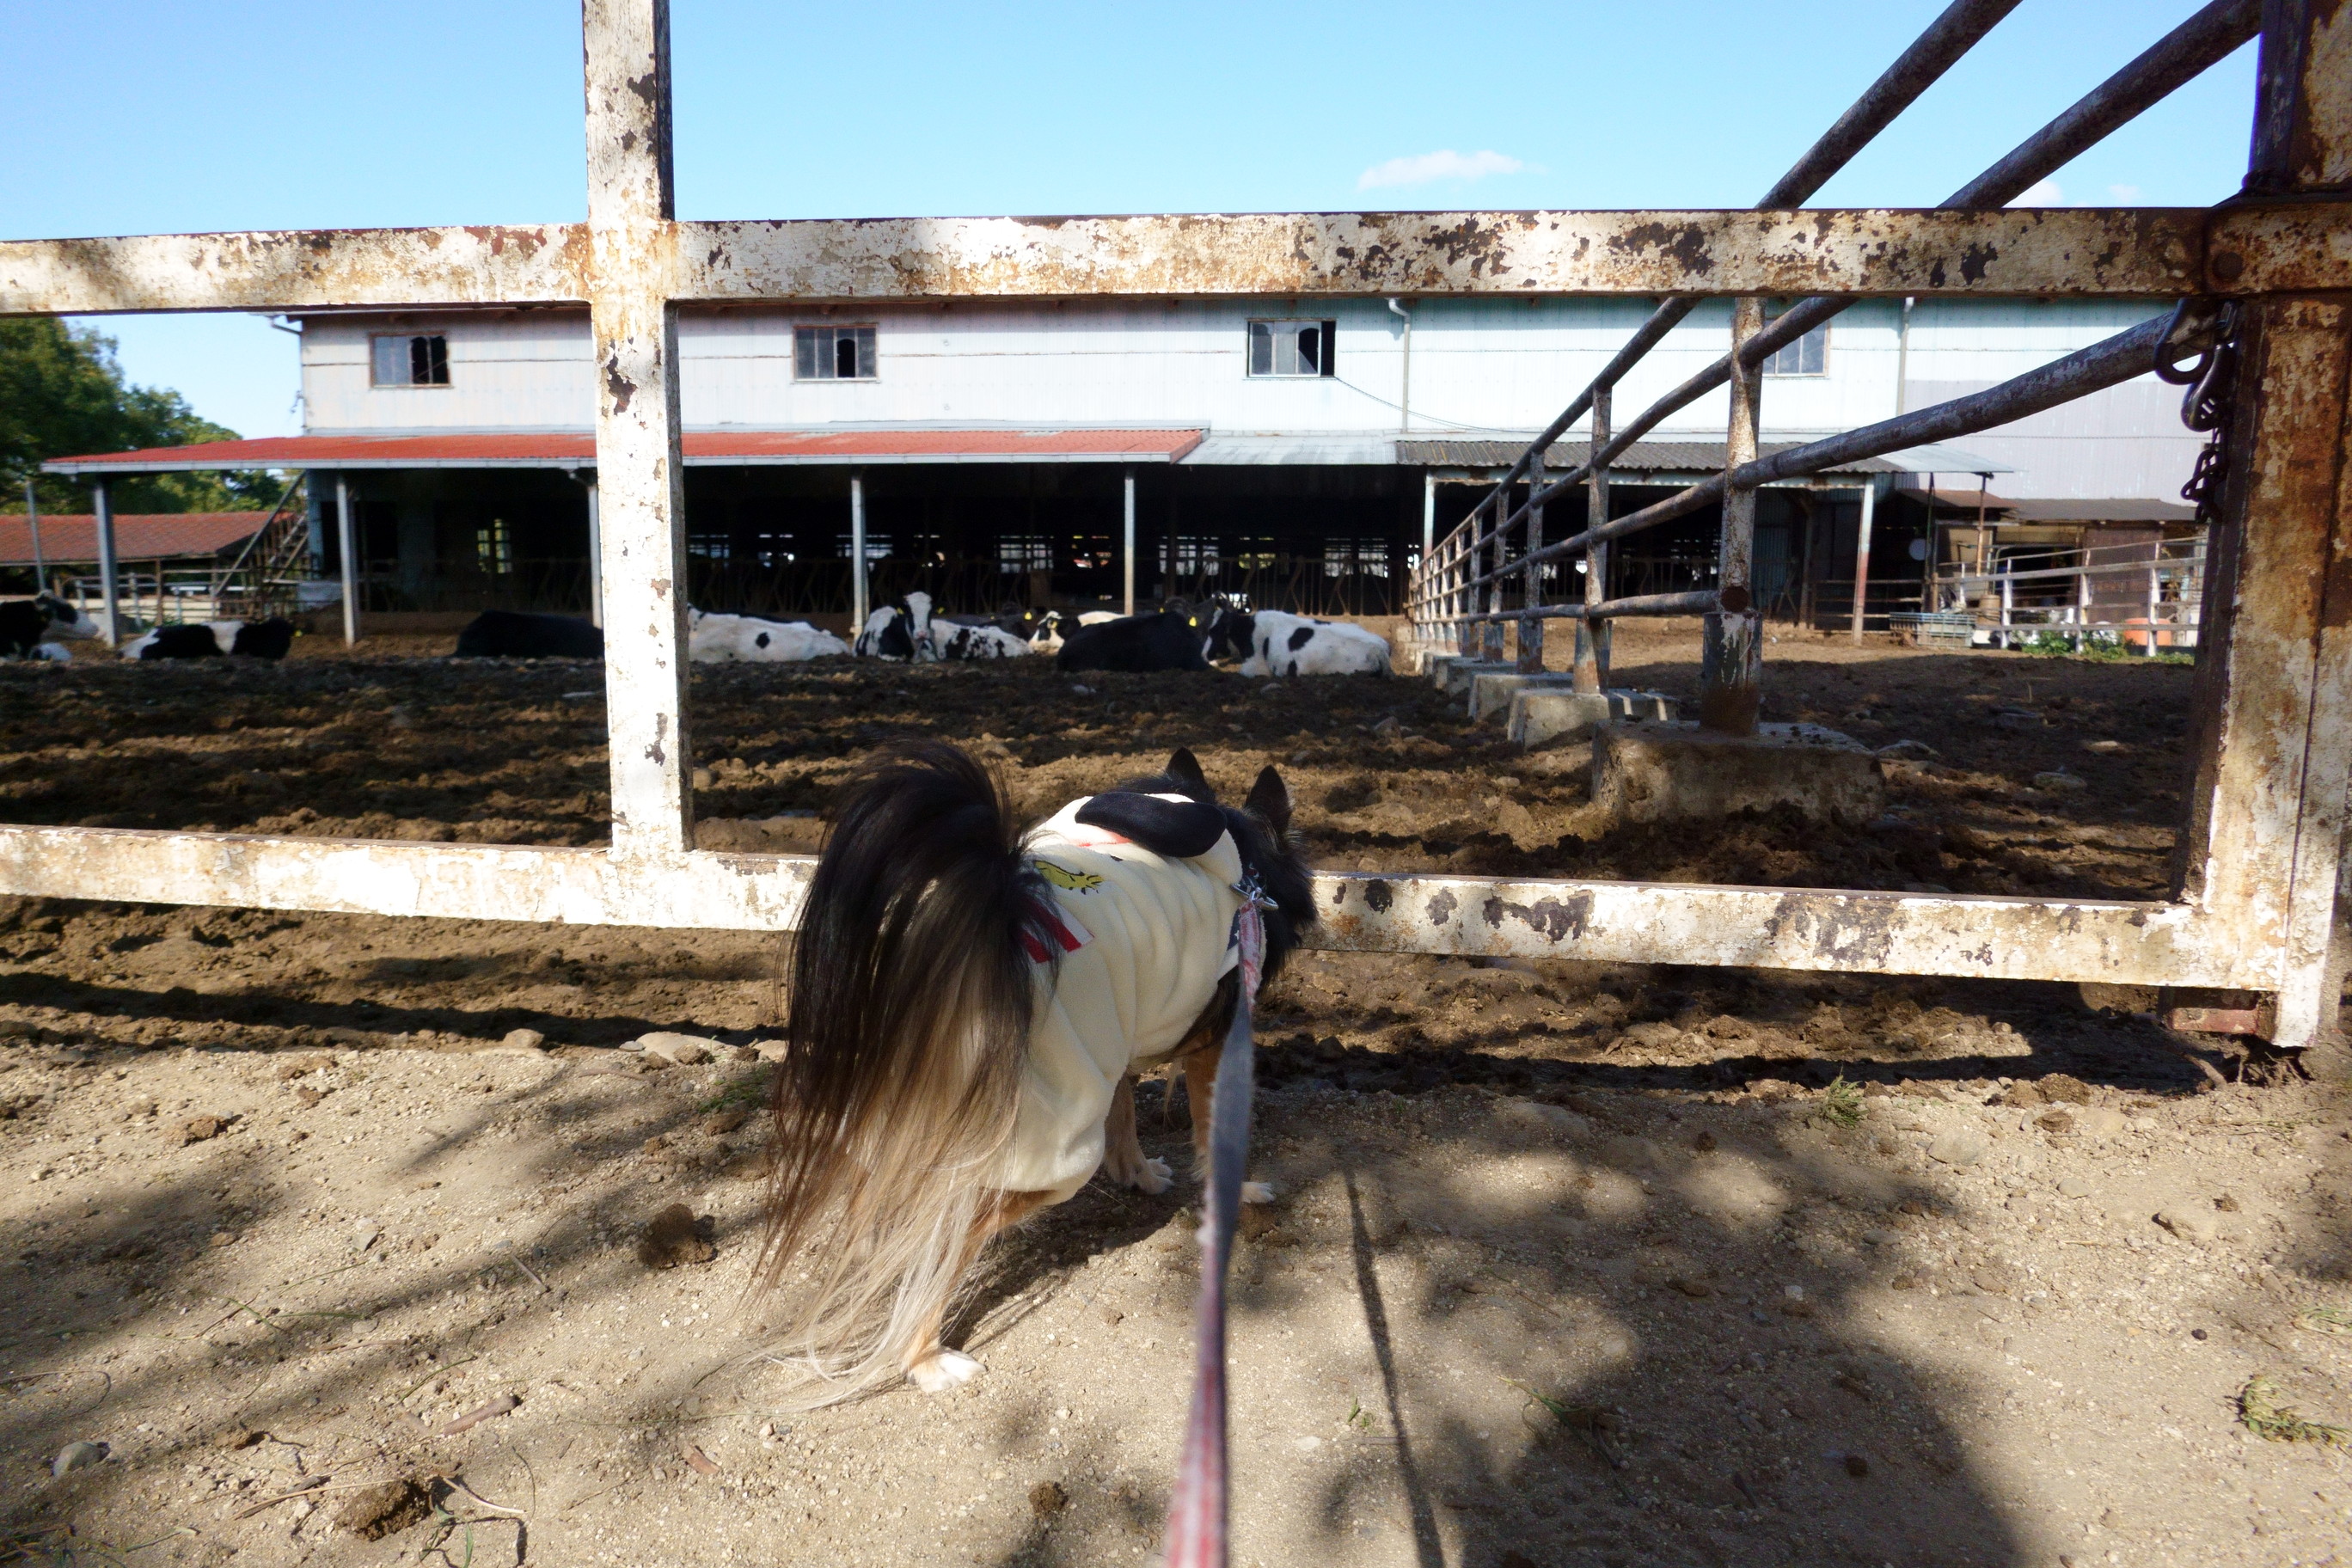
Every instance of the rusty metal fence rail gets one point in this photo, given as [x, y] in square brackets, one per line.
[2256, 902]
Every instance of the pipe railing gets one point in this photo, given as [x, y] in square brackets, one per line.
[2106, 363]
[1444, 590]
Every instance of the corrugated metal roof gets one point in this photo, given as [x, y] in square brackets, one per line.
[1286, 448]
[71, 538]
[577, 448]
[1642, 457]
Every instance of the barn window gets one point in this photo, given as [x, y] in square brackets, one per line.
[878, 545]
[833, 354]
[1355, 557]
[1195, 555]
[1024, 552]
[493, 550]
[710, 546]
[404, 361]
[1808, 356]
[1291, 347]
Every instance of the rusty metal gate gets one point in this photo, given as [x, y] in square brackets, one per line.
[2266, 278]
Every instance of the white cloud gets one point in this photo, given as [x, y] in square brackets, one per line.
[2128, 195]
[1428, 166]
[2041, 194]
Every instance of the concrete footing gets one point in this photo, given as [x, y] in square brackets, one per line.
[1541, 714]
[1454, 677]
[1661, 773]
[1491, 693]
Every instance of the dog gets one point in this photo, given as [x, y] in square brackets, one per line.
[971, 1006]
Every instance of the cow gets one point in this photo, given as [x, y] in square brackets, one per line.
[513, 634]
[1046, 627]
[1269, 642]
[1136, 644]
[902, 634]
[267, 639]
[748, 640]
[954, 640]
[29, 628]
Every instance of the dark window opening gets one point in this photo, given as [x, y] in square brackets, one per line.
[1292, 348]
[833, 354]
[405, 361]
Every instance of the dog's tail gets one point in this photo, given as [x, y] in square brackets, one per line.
[908, 1026]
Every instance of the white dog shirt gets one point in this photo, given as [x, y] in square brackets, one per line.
[1142, 941]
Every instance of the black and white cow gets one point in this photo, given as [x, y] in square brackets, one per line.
[749, 639]
[29, 628]
[1137, 644]
[901, 632]
[1271, 642]
[955, 641]
[513, 634]
[1046, 627]
[215, 639]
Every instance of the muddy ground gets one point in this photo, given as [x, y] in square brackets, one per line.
[1574, 1264]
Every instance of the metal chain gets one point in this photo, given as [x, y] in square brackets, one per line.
[2212, 379]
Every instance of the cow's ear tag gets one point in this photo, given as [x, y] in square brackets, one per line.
[1178, 829]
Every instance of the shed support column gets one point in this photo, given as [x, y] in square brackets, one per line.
[1126, 542]
[1731, 671]
[2273, 714]
[347, 551]
[1591, 673]
[1531, 626]
[858, 608]
[108, 590]
[632, 247]
[596, 558]
[1861, 558]
[1428, 515]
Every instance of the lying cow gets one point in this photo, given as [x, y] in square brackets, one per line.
[1270, 642]
[29, 628]
[513, 634]
[214, 639]
[748, 640]
[1046, 627]
[956, 640]
[1136, 644]
[900, 633]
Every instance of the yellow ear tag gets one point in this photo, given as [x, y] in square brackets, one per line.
[1068, 880]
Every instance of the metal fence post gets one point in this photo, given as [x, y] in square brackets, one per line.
[1491, 632]
[33, 521]
[2273, 714]
[1127, 543]
[632, 248]
[1531, 626]
[1731, 668]
[109, 593]
[1592, 670]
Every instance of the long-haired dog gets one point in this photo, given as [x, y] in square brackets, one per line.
[970, 1003]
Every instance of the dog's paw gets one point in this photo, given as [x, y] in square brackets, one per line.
[1152, 1176]
[942, 1369]
[1257, 1192]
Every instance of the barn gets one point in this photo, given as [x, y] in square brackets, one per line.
[1298, 452]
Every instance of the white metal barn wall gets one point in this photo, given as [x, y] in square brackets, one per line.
[2275, 734]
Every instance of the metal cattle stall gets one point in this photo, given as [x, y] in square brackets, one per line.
[2267, 278]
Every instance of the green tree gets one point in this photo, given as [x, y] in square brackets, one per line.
[62, 394]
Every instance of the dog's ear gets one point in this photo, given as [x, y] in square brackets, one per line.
[1185, 769]
[1270, 800]
[1179, 829]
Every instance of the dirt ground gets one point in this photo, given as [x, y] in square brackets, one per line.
[1574, 1264]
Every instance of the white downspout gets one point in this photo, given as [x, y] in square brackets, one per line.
[1404, 394]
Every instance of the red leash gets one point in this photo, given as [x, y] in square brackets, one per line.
[1197, 1509]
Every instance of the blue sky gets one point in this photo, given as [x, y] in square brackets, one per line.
[147, 117]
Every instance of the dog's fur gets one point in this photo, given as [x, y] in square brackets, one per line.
[911, 1009]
